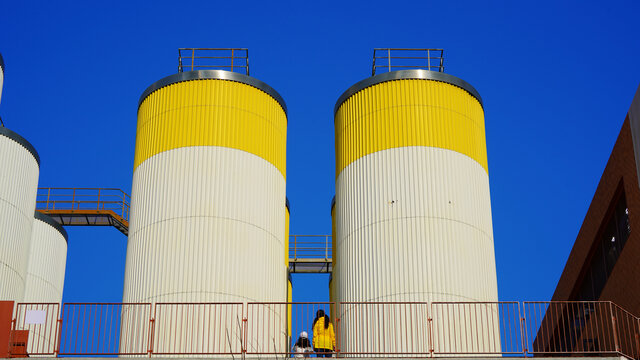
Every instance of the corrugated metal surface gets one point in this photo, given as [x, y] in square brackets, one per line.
[409, 113]
[286, 236]
[18, 188]
[414, 224]
[206, 225]
[212, 113]
[46, 266]
[413, 210]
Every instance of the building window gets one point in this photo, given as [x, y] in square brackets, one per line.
[611, 241]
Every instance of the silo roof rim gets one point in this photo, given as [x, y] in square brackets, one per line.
[20, 140]
[407, 74]
[215, 75]
[49, 220]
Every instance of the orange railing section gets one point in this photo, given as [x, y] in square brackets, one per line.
[86, 206]
[360, 329]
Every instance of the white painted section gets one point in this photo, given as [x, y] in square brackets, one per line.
[18, 188]
[413, 224]
[206, 226]
[634, 122]
[47, 264]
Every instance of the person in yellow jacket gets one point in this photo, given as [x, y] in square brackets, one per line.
[324, 339]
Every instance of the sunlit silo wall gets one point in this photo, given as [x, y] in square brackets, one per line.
[413, 213]
[20, 166]
[45, 277]
[207, 221]
[47, 261]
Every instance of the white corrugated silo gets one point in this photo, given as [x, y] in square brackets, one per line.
[20, 166]
[47, 261]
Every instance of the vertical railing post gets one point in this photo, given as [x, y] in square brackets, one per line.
[58, 339]
[295, 247]
[428, 60]
[48, 196]
[231, 60]
[73, 198]
[389, 59]
[123, 200]
[523, 328]
[614, 327]
[193, 56]
[326, 247]
[152, 329]
[98, 202]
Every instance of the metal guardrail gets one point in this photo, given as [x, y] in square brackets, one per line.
[74, 199]
[310, 253]
[389, 60]
[380, 329]
[230, 59]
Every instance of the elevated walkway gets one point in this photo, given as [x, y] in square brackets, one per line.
[86, 206]
[110, 207]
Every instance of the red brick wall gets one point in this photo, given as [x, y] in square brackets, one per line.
[623, 285]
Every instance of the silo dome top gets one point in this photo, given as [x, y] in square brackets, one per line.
[407, 74]
[47, 219]
[216, 75]
[421, 64]
[230, 64]
[20, 140]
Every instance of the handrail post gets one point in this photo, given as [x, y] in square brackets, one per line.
[48, 196]
[295, 246]
[615, 331]
[326, 247]
[98, 202]
[193, 55]
[152, 328]
[73, 198]
[389, 59]
[231, 60]
[56, 345]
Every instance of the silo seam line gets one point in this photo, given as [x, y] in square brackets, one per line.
[15, 207]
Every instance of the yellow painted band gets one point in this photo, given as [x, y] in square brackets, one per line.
[212, 112]
[404, 113]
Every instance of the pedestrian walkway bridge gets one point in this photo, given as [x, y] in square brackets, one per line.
[111, 207]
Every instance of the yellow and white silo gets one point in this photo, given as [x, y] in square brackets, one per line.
[207, 223]
[20, 165]
[47, 261]
[413, 211]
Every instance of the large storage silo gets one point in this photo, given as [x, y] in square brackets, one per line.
[20, 166]
[207, 223]
[47, 261]
[413, 212]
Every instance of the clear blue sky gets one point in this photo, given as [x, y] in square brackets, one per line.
[556, 78]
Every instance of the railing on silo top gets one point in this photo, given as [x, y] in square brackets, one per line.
[392, 59]
[230, 59]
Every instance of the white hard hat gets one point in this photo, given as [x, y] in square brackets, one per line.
[304, 334]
